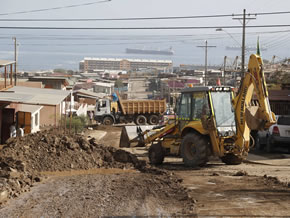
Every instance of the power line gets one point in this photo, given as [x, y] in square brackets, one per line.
[55, 8]
[125, 37]
[141, 28]
[132, 18]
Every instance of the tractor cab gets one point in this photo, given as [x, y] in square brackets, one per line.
[199, 104]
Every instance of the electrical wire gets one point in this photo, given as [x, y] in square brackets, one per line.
[142, 28]
[55, 8]
[127, 37]
[133, 18]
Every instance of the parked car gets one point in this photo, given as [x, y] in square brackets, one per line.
[278, 135]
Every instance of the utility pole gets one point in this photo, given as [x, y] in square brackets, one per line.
[244, 19]
[205, 62]
[225, 62]
[15, 59]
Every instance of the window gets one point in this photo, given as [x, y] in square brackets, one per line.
[103, 103]
[185, 105]
[283, 120]
[199, 105]
[224, 113]
[36, 119]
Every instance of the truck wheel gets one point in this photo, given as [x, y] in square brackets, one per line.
[108, 121]
[156, 154]
[193, 150]
[153, 120]
[231, 159]
[141, 120]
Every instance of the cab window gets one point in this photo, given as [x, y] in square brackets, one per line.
[185, 106]
[199, 105]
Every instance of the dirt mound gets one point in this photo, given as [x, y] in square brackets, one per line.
[22, 159]
[54, 151]
[14, 179]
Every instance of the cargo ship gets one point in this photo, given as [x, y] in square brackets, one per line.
[149, 51]
[249, 48]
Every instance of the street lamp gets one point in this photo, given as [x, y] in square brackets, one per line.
[235, 76]
[220, 29]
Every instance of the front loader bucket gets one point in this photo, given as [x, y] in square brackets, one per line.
[124, 139]
[129, 135]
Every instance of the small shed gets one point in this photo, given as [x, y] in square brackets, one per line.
[9, 72]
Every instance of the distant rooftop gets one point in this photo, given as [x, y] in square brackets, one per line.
[131, 60]
[105, 84]
[47, 78]
[4, 63]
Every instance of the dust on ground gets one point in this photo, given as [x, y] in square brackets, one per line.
[259, 187]
[92, 195]
[69, 178]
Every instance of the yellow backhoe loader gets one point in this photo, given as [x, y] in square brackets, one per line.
[211, 121]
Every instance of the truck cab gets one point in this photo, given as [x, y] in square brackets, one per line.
[103, 111]
[103, 107]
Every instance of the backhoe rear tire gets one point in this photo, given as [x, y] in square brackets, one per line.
[231, 159]
[156, 154]
[194, 150]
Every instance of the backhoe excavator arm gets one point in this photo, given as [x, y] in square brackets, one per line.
[252, 117]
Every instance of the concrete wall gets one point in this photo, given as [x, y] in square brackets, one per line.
[49, 115]
[26, 84]
[89, 101]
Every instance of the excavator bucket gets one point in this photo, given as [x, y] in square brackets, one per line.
[255, 119]
[131, 134]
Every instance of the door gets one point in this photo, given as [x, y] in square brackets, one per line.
[7, 121]
[184, 110]
[24, 119]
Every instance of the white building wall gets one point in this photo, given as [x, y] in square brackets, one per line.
[35, 121]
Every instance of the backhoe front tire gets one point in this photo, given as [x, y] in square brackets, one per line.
[231, 159]
[194, 150]
[156, 154]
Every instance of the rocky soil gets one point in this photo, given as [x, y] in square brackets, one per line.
[24, 161]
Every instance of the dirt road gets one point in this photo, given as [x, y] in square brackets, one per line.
[102, 193]
[261, 190]
[257, 188]
[231, 191]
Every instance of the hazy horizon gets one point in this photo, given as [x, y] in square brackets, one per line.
[50, 49]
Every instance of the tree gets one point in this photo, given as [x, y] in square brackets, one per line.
[119, 84]
[59, 70]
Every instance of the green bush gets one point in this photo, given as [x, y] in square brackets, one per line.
[78, 123]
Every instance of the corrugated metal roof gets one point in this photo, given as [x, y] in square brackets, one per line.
[4, 63]
[36, 96]
[86, 93]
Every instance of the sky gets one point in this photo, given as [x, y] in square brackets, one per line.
[48, 49]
